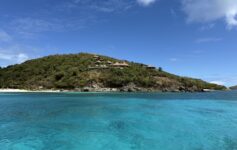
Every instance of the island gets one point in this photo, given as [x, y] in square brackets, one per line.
[86, 72]
[233, 87]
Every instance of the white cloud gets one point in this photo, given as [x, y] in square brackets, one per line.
[197, 52]
[211, 10]
[4, 36]
[145, 2]
[227, 80]
[209, 39]
[218, 82]
[29, 26]
[5, 56]
[173, 59]
[106, 6]
[14, 58]
[207, 27]
[22, 57]
[15, 54]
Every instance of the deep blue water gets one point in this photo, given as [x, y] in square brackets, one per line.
[157, 121]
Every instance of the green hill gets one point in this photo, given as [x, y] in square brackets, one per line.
[89, 72]
[233, 87]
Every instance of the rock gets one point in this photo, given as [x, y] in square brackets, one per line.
[86, 89]
[131, 87]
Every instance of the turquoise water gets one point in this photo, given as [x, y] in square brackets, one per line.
[162, 121]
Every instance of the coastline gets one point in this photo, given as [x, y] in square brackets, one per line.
[28, 91]
[103, 90]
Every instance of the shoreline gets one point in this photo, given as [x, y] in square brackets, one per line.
[99, 91]
[28, 91]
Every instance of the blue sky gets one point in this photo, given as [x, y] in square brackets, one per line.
[195, 38]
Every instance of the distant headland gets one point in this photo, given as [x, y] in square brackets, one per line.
[85, 72]
[233, 87]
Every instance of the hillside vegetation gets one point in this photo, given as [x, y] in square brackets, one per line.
[233, 87]
[94, 72]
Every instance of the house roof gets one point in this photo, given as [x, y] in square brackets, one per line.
[123, 64]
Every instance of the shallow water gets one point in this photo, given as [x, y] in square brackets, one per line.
[155, 121]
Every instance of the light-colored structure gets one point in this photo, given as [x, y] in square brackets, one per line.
[119, 64]
[151, 67]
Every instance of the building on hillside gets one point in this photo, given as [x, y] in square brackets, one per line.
[96, 56]
[150, 67]
[119, 64]
[98, 67]
[98, 62]
[109, 62]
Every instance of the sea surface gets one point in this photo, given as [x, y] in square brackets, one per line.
[99, 121]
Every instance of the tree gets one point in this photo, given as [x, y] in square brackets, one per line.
[160, 69]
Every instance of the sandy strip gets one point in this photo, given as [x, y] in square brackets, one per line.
[23, 91]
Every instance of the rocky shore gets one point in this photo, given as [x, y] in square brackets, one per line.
[133, 88]
[93, 89]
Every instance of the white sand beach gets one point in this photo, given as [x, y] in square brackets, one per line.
[12, 90]
[23, 91]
